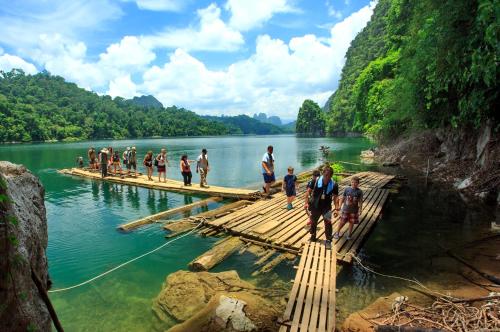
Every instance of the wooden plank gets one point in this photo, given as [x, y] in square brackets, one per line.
[287, 315]
[332, 291]
[161, 215]
[304, 326]
[320, 280]
[302, 292]
[266, 227]
[323, 310]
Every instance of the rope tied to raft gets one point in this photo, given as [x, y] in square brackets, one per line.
[358, 260]
[125, 263]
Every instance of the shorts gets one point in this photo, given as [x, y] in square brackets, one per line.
[92, 161]
[269, 178]
[161, 168]
[131, 165]
[291, 192]
[315, 214]
[350, 217]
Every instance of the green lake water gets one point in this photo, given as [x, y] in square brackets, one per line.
[83, 215]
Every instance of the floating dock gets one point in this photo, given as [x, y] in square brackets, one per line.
[170, 185]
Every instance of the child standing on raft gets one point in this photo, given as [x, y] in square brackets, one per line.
[290, 187]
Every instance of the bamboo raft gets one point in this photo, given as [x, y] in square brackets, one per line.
[268, 223]
[170, 185]
[311, 306]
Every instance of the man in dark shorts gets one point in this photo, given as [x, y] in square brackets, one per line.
[268, 169]
[319, 197]
[352, 206]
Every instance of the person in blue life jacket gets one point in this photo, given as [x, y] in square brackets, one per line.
[290, 187]
[268, 169]
[318, 201]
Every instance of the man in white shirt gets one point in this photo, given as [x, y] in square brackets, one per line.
[202, 168]
[268, 169]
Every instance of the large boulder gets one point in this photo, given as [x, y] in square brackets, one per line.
[23, 241]
[206, 301]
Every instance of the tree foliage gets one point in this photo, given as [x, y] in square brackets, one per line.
[43, 107]
[310, 120]
[420, 64]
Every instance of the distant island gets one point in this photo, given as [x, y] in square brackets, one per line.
[45, 108]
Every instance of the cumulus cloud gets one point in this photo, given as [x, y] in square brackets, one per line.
[9, 62]
[246, 15]
[129, 53]
[209, 34]
[122, 86]
[160, 5]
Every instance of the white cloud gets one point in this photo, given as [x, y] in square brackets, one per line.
[24, 21]
[210, 34]
[129, 53]
[122, 86]
[275, 79]
[332, 11]
[9, 62]
[160, 5]
[246, 15]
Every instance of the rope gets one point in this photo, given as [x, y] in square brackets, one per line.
[400, 278]
[124, 264]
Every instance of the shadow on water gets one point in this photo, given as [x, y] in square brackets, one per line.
[408, 241]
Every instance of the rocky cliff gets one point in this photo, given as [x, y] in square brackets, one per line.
[23, 241]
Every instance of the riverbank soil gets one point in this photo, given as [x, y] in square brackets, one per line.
[474, 263]
[468, 159]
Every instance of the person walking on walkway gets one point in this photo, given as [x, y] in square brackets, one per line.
[203, 167]
[268, 169]
[132, 161]
[148, 163]
[103, 159]
[185, 166]
[352, 206]
[318, 200]
[161, 164]
[125, 159]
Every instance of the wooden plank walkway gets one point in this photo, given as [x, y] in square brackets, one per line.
[311, 305]
[170, 185]
[269, 222]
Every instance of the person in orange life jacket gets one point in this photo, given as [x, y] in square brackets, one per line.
[319, 201]
[310, 184]
[352, 206]
[185, 166]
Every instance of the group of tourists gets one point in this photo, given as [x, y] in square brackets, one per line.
[108, 160]
[321, 199]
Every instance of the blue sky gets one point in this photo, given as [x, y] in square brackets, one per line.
[213, 57]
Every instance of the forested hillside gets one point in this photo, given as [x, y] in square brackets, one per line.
[44, 107]
[420, 65]
[245, 125]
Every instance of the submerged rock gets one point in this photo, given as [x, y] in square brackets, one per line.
[206, 301]
[23, 241]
